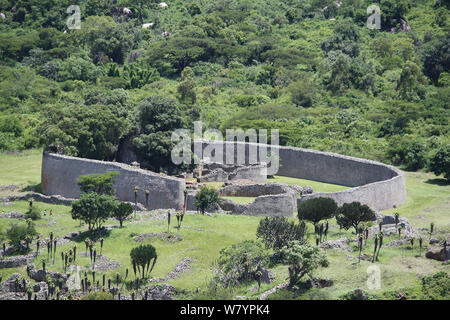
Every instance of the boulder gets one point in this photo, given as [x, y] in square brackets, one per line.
[14, 283]
[12, 296]
[438, 253]
[161, 292]
[341, 244]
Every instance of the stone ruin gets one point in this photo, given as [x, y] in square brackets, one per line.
[218, 172]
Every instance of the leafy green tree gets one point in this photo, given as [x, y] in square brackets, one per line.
[317, 209]
[122, 211]
[206, 198]
[156, 118]
[303, 92]
[142, 257]
[440, 161]
[409, 82]
[186, 87]
[340, 78]
[303, 259]
[90, 132]
[240, 262]
[101, 183]
[344, 40]
[435, 57]
[93, 209]
[352, 214]
[277, 232]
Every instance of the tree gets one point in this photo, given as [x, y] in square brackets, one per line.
[93, 209]
[186, 87]
[340, 74]
[100, 183]
[240, 262]
[435, 57]
[142, 257]
[408, 84]
[344, 40]
[303, 92]
[352, 214]
[206, 198]
[156, 118]
[440, 161]
[90, 132]
[122, 211]
[302, 260]
[277, 232]
[317, 209]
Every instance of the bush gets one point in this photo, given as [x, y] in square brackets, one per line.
[437, 286]
[240, 262]
[440, 162]
[206, 198]
[277, 232]
[98, 295]
[317, 209]
[302, 260]
[33, 213]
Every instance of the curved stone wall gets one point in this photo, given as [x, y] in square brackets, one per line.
[60, 173]
[373, 183]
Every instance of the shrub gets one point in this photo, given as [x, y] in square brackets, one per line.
[240, 261]
[277, 232]
[302, 260]
[33, 213]
[440, 162]
[437, 286]
[206, 198]
[317, 209]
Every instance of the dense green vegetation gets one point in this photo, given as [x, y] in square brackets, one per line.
[310, 68]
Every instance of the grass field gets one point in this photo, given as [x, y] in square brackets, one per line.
[202, 237]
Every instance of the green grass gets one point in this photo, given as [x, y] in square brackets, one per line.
[22, 169]
[241, 200]
[204, 236]
[317, 186]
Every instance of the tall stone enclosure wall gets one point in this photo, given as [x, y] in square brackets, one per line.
[378, 185]
[60, 173]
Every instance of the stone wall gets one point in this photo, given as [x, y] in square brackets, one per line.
[272, 199]
[378, 185]
[60, 173]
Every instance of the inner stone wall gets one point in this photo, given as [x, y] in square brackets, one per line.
[378, 185]
[60, 173]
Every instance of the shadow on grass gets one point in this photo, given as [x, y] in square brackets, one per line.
[32, 187]
[93, 235]
[438, 182]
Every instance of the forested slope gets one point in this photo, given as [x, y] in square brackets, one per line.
[310, 68]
